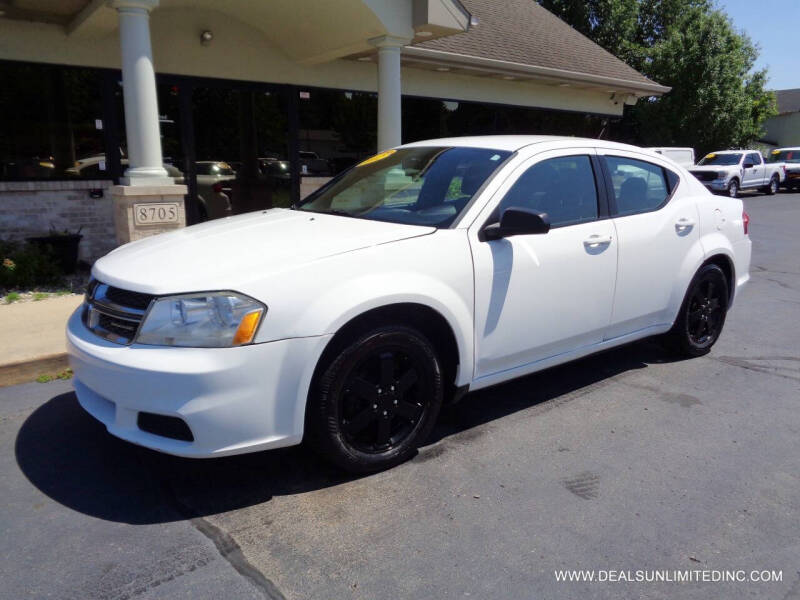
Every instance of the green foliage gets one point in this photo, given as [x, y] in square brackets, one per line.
[717, 100]
[11, 297]
[40, 296]
[46, 378]
[25, 266]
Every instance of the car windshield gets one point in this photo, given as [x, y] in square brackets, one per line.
[787, 156]
[721, 159]
[428, 185]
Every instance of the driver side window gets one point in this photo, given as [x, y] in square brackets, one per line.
[563, 188]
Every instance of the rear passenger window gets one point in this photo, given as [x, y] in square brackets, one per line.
[639, 186]
[562, 187]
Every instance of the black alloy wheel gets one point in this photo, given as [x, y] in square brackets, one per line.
[702, 315]
[705, 314]
[377, 401]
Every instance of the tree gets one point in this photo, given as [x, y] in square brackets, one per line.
[717, 100]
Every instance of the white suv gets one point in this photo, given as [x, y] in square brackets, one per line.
[423, 272]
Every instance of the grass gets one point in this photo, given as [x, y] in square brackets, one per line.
[12, 297]
[40, 296]
[65, 374]
[63, 293]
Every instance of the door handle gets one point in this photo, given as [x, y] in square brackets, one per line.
[595, 241]
[684, 224]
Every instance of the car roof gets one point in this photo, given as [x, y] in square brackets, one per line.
[787, 148]
[730, 151]
[513, 143]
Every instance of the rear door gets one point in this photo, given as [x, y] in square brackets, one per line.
[537, 296]
[656, 227]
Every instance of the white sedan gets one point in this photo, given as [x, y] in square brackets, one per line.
[423, 272]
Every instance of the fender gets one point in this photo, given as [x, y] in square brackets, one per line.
[713, 244]
[348, 300]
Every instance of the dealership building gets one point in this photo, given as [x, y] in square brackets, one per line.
[204, 108]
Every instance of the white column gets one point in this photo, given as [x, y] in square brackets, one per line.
[145, 163]
[389, 90]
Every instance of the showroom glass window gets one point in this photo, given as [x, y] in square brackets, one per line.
[563, 188]
[337, 130]
[52, 123]
[639, 186]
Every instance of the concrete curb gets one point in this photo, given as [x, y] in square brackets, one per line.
[27, 371]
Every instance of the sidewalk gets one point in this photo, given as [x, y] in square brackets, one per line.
[32, 337]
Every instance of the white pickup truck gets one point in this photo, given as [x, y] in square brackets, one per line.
[730, 171]
[787, 159]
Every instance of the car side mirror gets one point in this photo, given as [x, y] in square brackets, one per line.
[517, 221]
[748, 165]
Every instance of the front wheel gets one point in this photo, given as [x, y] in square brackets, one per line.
[733, 189]
[702, 314]
[376, 401]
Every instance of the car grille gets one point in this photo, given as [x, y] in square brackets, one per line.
[704, 175]
[114, 314]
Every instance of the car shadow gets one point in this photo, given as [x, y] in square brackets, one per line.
[71, 458]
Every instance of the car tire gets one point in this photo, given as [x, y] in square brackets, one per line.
[733, 188]
[376, 401]
[702, 315]
[773, 186]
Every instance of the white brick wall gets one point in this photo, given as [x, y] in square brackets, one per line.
[31, 208]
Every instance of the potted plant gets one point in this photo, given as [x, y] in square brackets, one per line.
[63, 246]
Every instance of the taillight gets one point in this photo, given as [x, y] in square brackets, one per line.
[217, 187]
[746, 222]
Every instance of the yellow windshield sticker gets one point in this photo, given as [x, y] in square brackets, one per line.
[712, 155]
[776, 151]
[376, 158]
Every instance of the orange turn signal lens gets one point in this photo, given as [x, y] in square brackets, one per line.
[247, 328]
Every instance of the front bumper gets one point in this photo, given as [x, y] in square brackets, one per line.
[718, 185]
[234, 400]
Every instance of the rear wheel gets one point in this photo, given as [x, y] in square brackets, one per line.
[702, 314]
[376, 401]
[773, 186]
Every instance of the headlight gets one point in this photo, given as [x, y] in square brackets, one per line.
[212, 320]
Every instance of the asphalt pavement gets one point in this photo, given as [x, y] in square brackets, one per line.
[625, 461]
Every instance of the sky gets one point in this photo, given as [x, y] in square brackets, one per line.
[775, 26]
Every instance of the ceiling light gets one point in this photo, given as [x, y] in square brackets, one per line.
[206, 37]
[509, 77]
[473, 21]
[364, 58]
[563, 85]
[424, 33]
[442, 69]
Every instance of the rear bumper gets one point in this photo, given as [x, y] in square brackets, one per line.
[742, 251]
[233, 400]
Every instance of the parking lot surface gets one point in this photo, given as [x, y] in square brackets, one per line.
[625, 461]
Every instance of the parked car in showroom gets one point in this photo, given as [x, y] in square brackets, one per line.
[347, 321]
[731, 171]
[787, 159]
[214, 188]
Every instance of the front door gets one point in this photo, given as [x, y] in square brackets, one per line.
[538, 296]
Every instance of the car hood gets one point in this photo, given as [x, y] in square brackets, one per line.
[228, 253]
